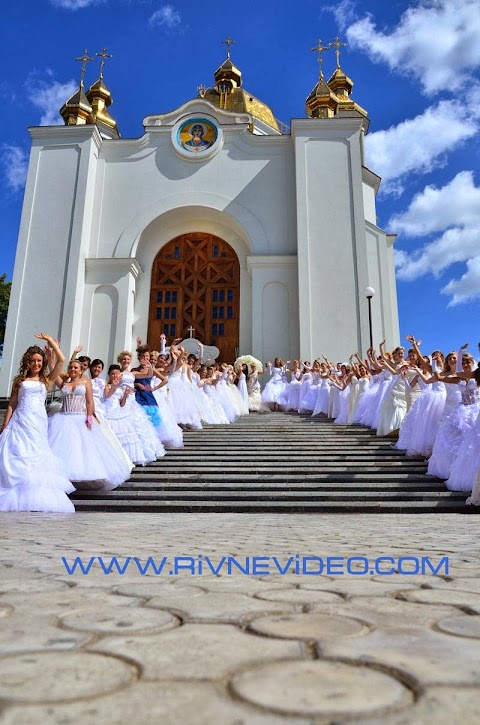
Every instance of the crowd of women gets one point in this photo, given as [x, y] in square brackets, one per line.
[104, 425]
[431, 402]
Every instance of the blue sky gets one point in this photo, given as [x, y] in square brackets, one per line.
[415, 67]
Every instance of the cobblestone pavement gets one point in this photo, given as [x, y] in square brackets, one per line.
[242, 649]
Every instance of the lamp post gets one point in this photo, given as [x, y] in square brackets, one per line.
[369, 293]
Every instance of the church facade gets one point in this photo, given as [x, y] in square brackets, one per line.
[218, 220]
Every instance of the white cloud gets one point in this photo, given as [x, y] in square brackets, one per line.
[344, 13]
[433, 210]
[14, 160]
[418, 144]
[166, 17]
[438, 42]
[454, 211]
[455, 245]
[467, 287]
[75, 4]
[49, 96]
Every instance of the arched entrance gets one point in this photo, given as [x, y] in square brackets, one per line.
[196, 284]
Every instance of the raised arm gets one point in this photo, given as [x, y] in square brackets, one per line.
[75, 352]
[386, 364]
[57, 355]
[459, 367]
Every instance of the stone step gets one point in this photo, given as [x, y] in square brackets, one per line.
[281, 463]
[249, 495]
[264, 507]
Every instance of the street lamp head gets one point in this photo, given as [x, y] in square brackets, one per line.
[369, 292]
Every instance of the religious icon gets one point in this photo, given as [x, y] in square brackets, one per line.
[197, 135]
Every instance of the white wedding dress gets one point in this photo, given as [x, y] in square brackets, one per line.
[31, 476]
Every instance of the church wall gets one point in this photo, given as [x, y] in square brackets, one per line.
[140, 182]
[103, 324]
[49, 261]
[369, 203]
[331, 237]
[274, 307]
[384, 302]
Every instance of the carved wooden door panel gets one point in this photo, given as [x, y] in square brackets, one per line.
[196, 284]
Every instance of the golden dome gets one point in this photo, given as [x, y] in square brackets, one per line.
[342, 86]
[100, 98]
[228, 72]
[229, 95]
[77, 110]
[322, 101]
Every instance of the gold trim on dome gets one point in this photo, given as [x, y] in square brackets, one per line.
[241, 101]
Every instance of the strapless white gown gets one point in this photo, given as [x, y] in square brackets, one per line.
[31, 476]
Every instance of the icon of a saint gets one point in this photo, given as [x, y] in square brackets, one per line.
[197, 142]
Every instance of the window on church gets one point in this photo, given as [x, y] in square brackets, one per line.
[215, 312]
[167, 296]
[167, 313]
[221, 313]
[229, 313]
[174, 296]
[221, 330]
[173, 313]
[158, 314]
[215, 250]
[230, 295]
[159, 297]
[215, 295]
[176, 253]
[221, 295]
[214, 330]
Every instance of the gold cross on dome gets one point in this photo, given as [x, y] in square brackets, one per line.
[228, 42]
[320, 49]
[103, 55]
[337, 45]
[84, 60]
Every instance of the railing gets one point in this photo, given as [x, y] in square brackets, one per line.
[284, 128]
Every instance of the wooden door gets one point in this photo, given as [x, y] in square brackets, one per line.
[196, 284]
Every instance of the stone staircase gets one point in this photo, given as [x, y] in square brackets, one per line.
[281, 463]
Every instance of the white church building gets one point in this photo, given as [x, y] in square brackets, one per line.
[261, 238]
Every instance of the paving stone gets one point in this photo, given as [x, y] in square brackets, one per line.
[30, 586]
[44, 604]
[5, 610]
[308, 626]
[145, 703]
[61, 676]
[441, 596]
[119, 620]
[244, 584]
[294, 579]
[358, 587]
[23, 632]
[298, 596]
[463, 584]
[320, 688]
[157, 587]
[430, 657]
[197, 651]
[388, 612]
[218, 606]
[436, 705]
[468, 626]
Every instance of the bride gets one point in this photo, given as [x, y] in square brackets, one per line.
[31, 476]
